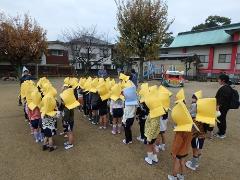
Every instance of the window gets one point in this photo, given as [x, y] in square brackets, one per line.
[55, 52]
[104, 52]
[224, 58]
[85, 55]
[203, 58]
[238, 58]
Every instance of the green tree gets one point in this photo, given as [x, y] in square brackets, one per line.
[213, 21]
[22, 40]
[142, 25]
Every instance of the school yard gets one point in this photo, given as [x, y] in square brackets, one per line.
[98, 154]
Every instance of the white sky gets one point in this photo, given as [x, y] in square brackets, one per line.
[56, 15]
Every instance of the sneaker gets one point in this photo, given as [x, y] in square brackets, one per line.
[104, 127]
[124, 141]
[37, 141]
[94, 123]
[114, 132]
[148, 160]
[66, 143]
[100, 127]
[140, 139]
[66, 136]
[180, 176]
[119, 131]
[219, 136]
[69, 146]
[154, 158]
[189, 165]
[44, 147]
[170, 177]
[52, 148]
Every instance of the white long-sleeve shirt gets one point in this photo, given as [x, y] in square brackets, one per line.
[116, 104]
[129, 112]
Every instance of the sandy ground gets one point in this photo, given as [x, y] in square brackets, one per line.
[100, 155]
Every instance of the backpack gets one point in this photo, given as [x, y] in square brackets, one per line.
[234, 103]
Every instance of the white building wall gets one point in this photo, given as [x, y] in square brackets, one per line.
[200, 51]
[221, 50]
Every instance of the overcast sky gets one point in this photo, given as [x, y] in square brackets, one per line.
[56, 15]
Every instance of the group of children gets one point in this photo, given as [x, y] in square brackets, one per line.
[105, 101]
[43, 111]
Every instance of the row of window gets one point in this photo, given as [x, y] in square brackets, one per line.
[223, 58]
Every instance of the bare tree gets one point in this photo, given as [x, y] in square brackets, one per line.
[87, 47]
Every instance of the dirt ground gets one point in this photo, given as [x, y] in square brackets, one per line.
[98, 154]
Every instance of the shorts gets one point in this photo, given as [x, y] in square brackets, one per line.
[35, 123]
[117, 113]
[103, 112]
[152, 141]
[181, 156]
[197, 143]
[163, 125]
[94, 107]
[69, 126]
[48, 132]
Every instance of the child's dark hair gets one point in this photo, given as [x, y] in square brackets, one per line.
[224, 78]
[194, 97]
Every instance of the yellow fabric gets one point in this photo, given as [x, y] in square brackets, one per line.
[165, 100]
[143, 92]
[69, 99]
[206, 111]
[180, 96]
[153, 102]
[127, 84]
[103, 92]
[116, 92]
[66, 81]
[198, 94]
[36, 100]
[48, 106]
[162, 89]
[73, 82]
[182, 117]
[81, 82]
[152, 128]
[123, 77]
[94, 84]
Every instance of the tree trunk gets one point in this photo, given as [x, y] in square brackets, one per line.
[141, 70]
[19, 70]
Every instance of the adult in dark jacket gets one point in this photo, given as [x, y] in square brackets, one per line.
[25, 76]
[223, 96]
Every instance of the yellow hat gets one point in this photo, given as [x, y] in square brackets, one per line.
[144, 90]
[81, 82]
[198, 94]
[152, 100]
[206, 110]
[180, 96]
[52, 91]
[127, 84]
[48, 106]
[165, 100]
[94, 85]
[123, 77]
[69, 98]
[116, 92]
[153, 89]
[182, 117]
[73, 82]
[162, 89]
[29, 91]
[103, 92]
[36, 100]
[87, 86]
[66, 82]
[101, 80]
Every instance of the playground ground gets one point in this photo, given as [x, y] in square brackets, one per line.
[100, 155]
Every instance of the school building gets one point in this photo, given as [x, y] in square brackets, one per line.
[218, 50]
